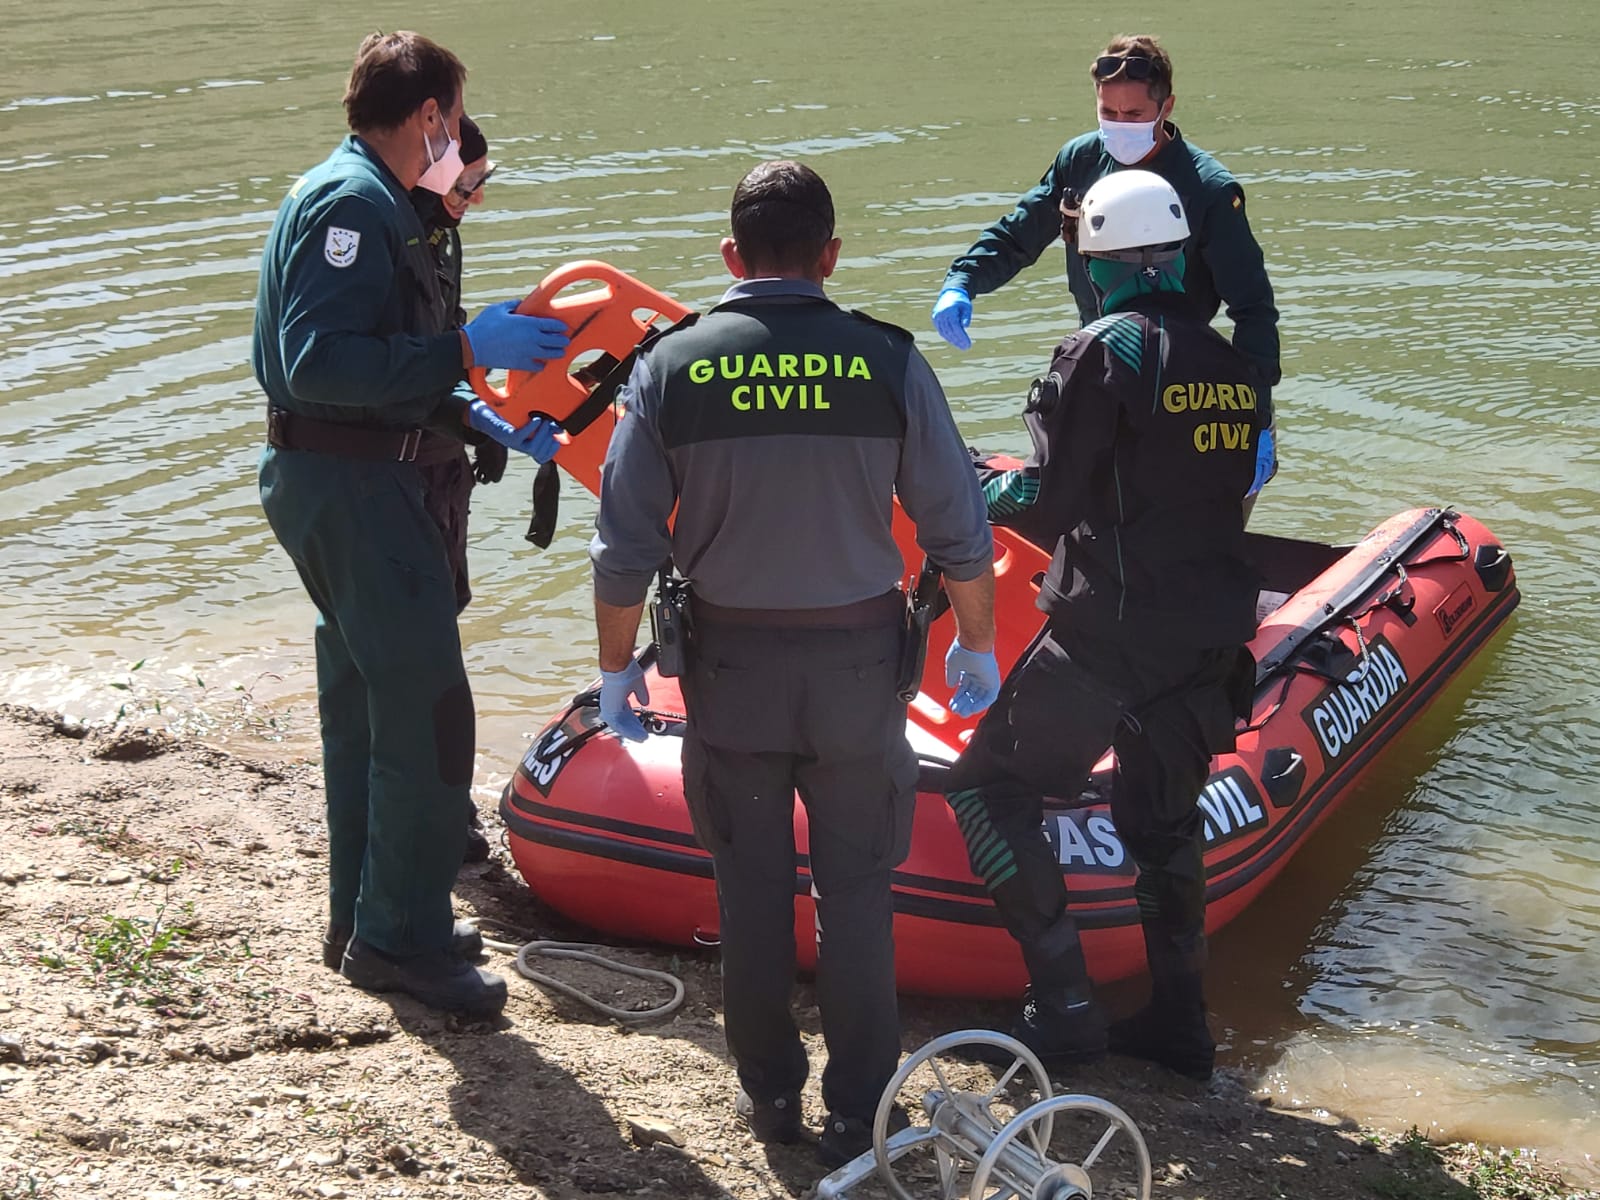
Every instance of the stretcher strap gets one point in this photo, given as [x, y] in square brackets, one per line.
[608, 373]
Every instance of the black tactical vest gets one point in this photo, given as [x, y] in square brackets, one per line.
[1153, 538]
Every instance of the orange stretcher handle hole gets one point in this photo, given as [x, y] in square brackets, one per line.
[611, 318]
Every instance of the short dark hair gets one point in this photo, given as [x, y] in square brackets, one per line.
[782, 216]
[473, 144]
[394, 74]
[1143, 45]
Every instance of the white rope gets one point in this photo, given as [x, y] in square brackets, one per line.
[585, 952]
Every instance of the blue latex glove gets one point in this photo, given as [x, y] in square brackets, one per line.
[952, 313]
[504, 339]
[976, 678]
[536, 439]
[615, 688]
[1266, 461]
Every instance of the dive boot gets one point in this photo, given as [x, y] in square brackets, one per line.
[465, 942]
[1062, 1027]
[1175, 1036]
[438, 979]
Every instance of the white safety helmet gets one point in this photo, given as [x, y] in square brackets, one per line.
[1131, 216]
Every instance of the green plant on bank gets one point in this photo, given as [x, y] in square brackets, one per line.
[199, 709]
[127, 685]
[119, 841]
[1512, 1175]
[130, 950]
[153, 961]
[142, 956]
[1422, 1171]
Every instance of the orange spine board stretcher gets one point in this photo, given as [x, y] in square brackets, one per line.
[610, 319]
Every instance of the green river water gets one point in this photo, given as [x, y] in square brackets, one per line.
[1421, 177]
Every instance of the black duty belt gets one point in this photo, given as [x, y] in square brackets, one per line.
[887, 609]
[295, 431]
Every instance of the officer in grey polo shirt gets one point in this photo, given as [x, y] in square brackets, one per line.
[782, 427]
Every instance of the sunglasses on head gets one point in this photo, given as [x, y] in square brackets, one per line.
[464, 193]
[1133, 66]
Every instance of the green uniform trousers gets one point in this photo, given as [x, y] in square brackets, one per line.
[392, 693]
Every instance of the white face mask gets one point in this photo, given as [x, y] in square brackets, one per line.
[444, 170]
[1128, 141]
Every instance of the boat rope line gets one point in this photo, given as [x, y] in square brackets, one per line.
[1394, 597]
[588, 952]
[1364, 651]
[1448, 523]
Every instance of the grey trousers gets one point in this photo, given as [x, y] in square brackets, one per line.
[773, 712]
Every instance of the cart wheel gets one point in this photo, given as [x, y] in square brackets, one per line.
[1018, 1163]
[954, 1114]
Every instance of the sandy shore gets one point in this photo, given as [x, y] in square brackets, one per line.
[167, 1030]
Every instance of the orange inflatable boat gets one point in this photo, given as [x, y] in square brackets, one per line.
[1353, 643]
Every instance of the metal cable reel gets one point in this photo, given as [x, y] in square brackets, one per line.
[989, 1146]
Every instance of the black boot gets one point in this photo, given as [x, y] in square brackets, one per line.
[477, 849]
[465, 942]
[846, 1138]
[776, 1120]
[1170, 1030]
[438, 979]
[1063, 1026]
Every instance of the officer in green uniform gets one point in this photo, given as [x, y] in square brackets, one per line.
[1223, 264]
[779, 429]
[447, 485]
[354, 348]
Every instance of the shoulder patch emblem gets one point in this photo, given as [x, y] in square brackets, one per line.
[1238, 200]
[341, 246]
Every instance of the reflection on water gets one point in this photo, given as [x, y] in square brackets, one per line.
[1430, 225]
